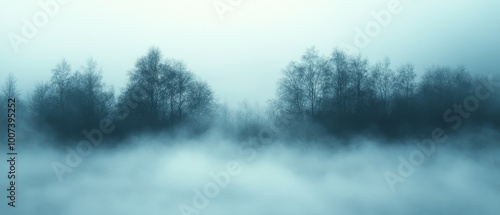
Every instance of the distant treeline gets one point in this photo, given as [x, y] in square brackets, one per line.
[341, 94]
[345, 94]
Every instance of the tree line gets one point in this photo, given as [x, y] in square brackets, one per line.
[160, 94]
[345, 94]
[340, 93]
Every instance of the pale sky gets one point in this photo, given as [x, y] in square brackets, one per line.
[242, 56]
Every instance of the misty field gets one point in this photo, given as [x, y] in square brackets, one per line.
[166, 175]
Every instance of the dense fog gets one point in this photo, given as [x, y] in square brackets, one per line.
[161, 174]
[228, 107]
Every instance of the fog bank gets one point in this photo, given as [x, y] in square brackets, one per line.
[164, 175]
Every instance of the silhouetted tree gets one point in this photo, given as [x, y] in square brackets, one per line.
[71, 102]
[303, 89]
[9, 89]
[42, 103]
[164, 93]
[60, 84]
[384, 82]
[440, 88]
[405, 84]
[360, 83]
[348, 94]
[147, 76]
[341, 82]
[291, 95]
[92, 101]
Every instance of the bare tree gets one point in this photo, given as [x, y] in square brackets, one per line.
[9, 89]
[406, 83]
[360, 83]
[383, 78]
[165, 92]
[146, 76]
[200, 102]
[341, 81]
[60, 83]
[314, 68]
[94, 100]
[41, 102]
[291, 95]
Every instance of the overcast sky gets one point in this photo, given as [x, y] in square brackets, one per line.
[242, 56]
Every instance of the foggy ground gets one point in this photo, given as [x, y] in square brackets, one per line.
[157, 175]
